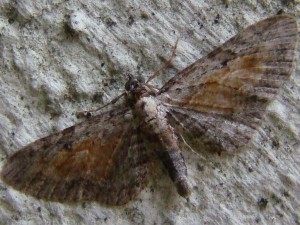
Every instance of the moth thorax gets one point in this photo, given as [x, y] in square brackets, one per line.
[146, 107]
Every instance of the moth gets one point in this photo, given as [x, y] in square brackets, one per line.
[215, 103]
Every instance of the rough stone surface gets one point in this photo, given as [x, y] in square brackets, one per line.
[66, 56]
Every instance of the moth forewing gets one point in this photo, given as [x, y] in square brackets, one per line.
[220, 99]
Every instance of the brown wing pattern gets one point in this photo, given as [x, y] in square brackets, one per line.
[220, 99]
[102, 159]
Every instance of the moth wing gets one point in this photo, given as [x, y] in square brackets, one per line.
[219, 100]
[102, 159]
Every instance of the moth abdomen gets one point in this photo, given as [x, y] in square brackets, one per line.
[153, 114]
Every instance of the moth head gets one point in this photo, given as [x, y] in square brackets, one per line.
[133, 82]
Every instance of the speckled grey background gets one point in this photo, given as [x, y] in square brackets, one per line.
[65, 56]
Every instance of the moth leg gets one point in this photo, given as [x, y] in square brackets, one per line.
[167, 64]
[89, 113]
[188, 146]
[153, 89]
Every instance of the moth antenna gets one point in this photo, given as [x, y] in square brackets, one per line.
[167, 64]
[84, 113]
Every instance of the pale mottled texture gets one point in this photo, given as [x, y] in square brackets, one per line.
[50, 72]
